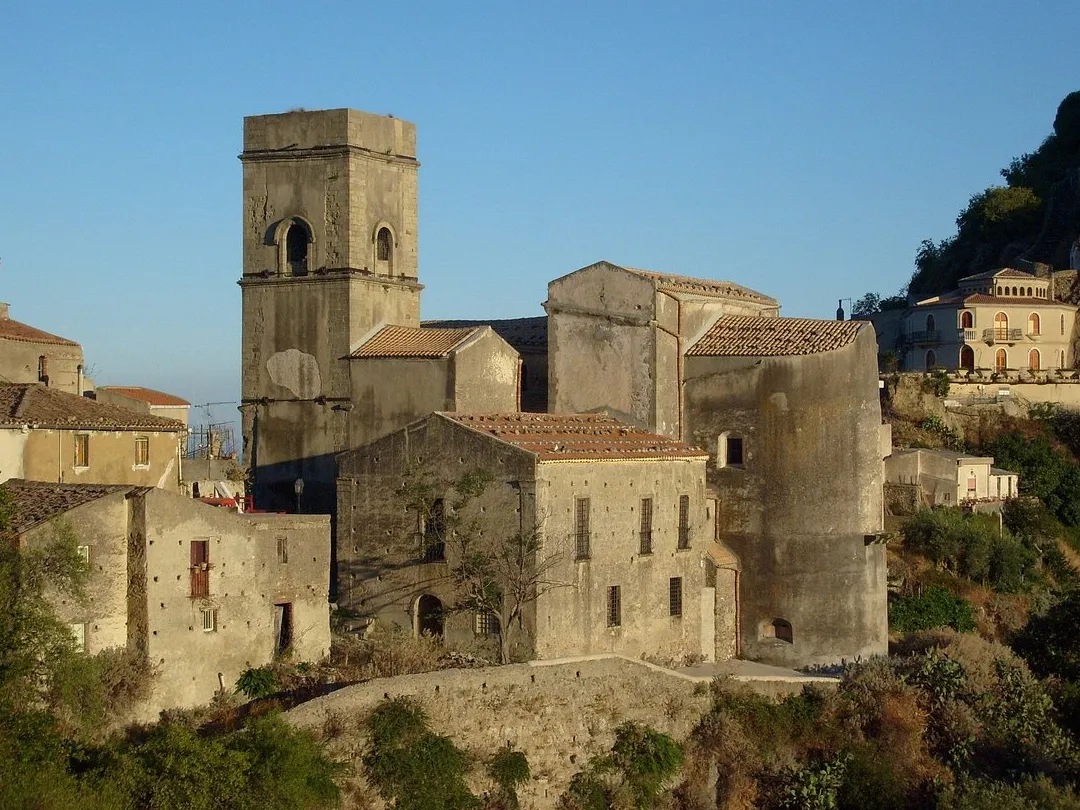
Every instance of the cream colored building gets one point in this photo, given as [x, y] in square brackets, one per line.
[948, 478]
[1001, 320]
[28, 354]
[49, 435]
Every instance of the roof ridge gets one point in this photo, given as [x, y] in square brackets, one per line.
[22, 401]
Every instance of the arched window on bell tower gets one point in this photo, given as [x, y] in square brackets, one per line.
[384, 252]
[297, 249]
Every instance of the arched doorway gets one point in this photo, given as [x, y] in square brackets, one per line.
[1001, 360]
[967, 358]
[931, 358]
[1001, 326]
[930, 323]
[1033, 360]
[1033, 323]
[429, 616]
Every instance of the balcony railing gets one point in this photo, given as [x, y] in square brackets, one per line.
[964, 335]
[924, 336]
[1003, 335]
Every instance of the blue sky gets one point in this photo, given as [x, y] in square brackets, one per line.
[803, 149]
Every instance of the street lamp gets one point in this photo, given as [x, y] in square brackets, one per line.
[298, 488]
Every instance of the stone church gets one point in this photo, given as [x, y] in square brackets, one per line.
[775, 508]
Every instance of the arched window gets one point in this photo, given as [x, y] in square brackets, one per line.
[931, 358]
[1033, 323]
[384, 252]
[1029, 292]
[1001, 326]
[43, 369]
[1062, 365]
[1001, 360]
[967, 358]
[930, 323]
[999, 289]
[1033, 360]
[297, 240]
[1063, 323]
[780, 629]
[429, 616]
[1014, 292]
[967, 319]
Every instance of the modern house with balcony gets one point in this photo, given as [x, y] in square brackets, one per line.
[1000, 320]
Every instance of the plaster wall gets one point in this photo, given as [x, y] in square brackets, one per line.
[19, 364]
[800, 509]
[178, 413]
[486, 376]
[946, 478]
[12, 453]
[49, 455]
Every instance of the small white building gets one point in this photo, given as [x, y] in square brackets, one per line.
[948, 478]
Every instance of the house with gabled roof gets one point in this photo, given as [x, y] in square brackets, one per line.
[50, 435]
[147, 400]
[630, 563]
[29, 354]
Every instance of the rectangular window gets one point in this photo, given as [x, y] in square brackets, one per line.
[614, 606]
[84, 554]
[82, 450]
[972, 483]
[581, 528]
[734, 451]
[646, 526]
[200, 568]
[43, 369]
[684, 521]
[78, 636]
[435, 532]
[675, 596]
[209, 619]
[283, 627]
[282, 550]
[142, 451]
[486, 624]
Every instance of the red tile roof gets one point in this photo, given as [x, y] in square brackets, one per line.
[37, 501]
[147, 395]
[524, 334]
[14, 330]
[38, 406]
[947, 299]
[409, 341]
[737, 336]
[699, 286]
[575, 437]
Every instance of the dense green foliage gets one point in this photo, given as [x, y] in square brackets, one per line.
[257, 682]
[935, 607]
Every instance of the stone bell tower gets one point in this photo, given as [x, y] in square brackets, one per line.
[330, 253]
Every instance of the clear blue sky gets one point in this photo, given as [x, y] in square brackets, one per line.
[803, 149]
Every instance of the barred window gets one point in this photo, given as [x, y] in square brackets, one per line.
[283, 550]
[486, 623]
[209, 619]
[646, 526]
[675, 596]
[684, 521]
[581, 528]
[200, 568]
[614, 606]
[78, 636]
[82, 450]
[435, 532]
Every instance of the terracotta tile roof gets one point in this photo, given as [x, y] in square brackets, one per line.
[983, 298]
[1001, 272]
[575, 437]
[38, 501]
[147, 395]
[39, 406]
[14, 330]
[527, 335]
[699, 286]
[409, 341]
[738, 336]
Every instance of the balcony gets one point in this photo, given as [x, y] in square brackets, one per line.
[966, 335]
[926, 336]
[1003, 335]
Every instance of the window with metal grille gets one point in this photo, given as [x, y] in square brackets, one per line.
[200, 568]
[43, 368]
[142, 451]
[614, 606]
[581, 528]
[82, 450]
[434, 537]
[209, 619]
[646, 526]
[283, 550]
[486, 623]
[84, 554]
[78, 636]
[384, 245]
[675, 596]
[684, 521]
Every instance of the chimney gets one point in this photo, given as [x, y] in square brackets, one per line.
[4, 311]
[840, 310]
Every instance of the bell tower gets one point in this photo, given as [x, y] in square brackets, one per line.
[329, 253]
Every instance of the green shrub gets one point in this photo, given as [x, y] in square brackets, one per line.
[1050, 643]
[647, 759]
[257, 682]
[508, 769]
[935, 607]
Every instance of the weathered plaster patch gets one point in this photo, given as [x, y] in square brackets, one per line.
[165, 475]
[296, 370]
[779, 399]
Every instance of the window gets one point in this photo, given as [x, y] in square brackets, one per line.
[931, 358]
[780, 629]
[1001, 360]
[967, 319]
[1063, 324]
[384, 245]
[1033, 323]
[967, 358]
[1029, 292]
[82, 450]
[930, 324]
[684, 521]
[1062, 365]
[730, 450]
[1033, 360]
[614, 606]
[972, 484]
[282, 550]
[43, 369]
[200, 568]
[675, 596]
[646, 526]
[435, 532]
[999, 289]
[78, 636]
[486, 623]
[142, 451]
[84, 554]
[283, 627]
[581, 528]
[296, 249]
[209, 619]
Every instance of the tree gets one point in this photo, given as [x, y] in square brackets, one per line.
[869, 304]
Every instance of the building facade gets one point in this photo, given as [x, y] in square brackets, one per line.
[147, 400]
[948, 478]
[30, 355]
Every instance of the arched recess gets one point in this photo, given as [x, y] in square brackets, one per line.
[967, 358]
[967, 319]
[780, 629]
[1034, 360]
[1034, 323]
[930, 324]
[1001, 360]
[295, 242]
[384, 246]
[931, 358]
[429, 615]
